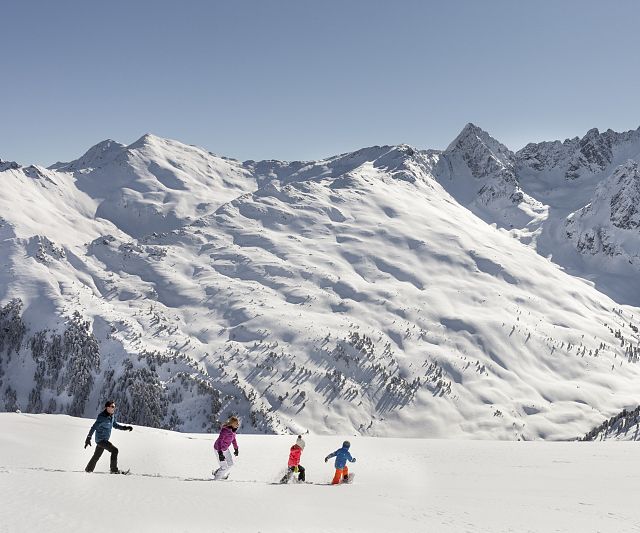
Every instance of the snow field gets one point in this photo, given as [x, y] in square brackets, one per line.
[408, 485]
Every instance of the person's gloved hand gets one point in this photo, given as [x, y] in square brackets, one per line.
[326, 459]
[129, 428]
[353, 460]
[87, 442]
[221, 455]
[236, 452]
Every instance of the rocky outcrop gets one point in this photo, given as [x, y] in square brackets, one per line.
[610, 223]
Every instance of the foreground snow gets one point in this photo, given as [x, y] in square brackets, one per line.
[401, 484]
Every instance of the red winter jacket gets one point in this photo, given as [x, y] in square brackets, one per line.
[294, 455]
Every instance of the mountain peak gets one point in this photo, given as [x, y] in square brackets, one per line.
[482, 153]
[469, 134]
[103, 147]
[592, 133]
[471, 127]
[8, 165]
[96, 156]
[148, 139]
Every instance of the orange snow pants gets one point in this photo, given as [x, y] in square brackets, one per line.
[340, 473]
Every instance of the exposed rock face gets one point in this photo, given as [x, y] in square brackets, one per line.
[595, 153]
[482, 153]
[487, 160]
[609, 223]
[625, 203]
[8, 165]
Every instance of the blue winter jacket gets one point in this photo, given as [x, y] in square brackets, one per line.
[102, 426]
[342, 456]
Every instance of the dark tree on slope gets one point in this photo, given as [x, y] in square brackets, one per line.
[35, 401]
[617, 425]
[77, 352]
[10, 398]
[83, 351]
[12, 328]
[140, 396]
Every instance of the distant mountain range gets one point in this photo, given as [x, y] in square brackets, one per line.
[471, 292]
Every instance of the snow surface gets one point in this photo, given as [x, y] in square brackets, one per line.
[408, 485]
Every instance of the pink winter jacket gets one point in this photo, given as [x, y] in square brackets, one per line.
[225, 439]
[294, 455]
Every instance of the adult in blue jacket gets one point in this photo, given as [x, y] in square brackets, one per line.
[342, 456]
[102, 428]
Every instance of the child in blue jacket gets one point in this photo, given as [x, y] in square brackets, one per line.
[342, 456]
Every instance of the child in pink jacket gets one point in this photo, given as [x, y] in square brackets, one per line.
[226, 438]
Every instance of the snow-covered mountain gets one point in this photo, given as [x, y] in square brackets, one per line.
[480, 173]
[535, 192]
[610, 223]
[380, 292]
[578, 158]
[155, 184]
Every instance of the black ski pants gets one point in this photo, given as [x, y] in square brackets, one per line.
[301, 473]
[100, 448]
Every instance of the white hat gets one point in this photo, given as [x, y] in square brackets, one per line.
[300, 442]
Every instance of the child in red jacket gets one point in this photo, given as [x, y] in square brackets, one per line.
[294, 466]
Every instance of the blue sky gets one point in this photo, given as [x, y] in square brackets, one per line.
[305, 80]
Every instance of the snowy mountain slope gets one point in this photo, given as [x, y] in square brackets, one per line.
[566, 178]
[347, 295]
[50, 202]
[610, 223]
[566, 175]
[402, 162]
[49, 274]
[417, 298]
[155, 184]
[44, 225]
[533, 192]
[410, 485]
